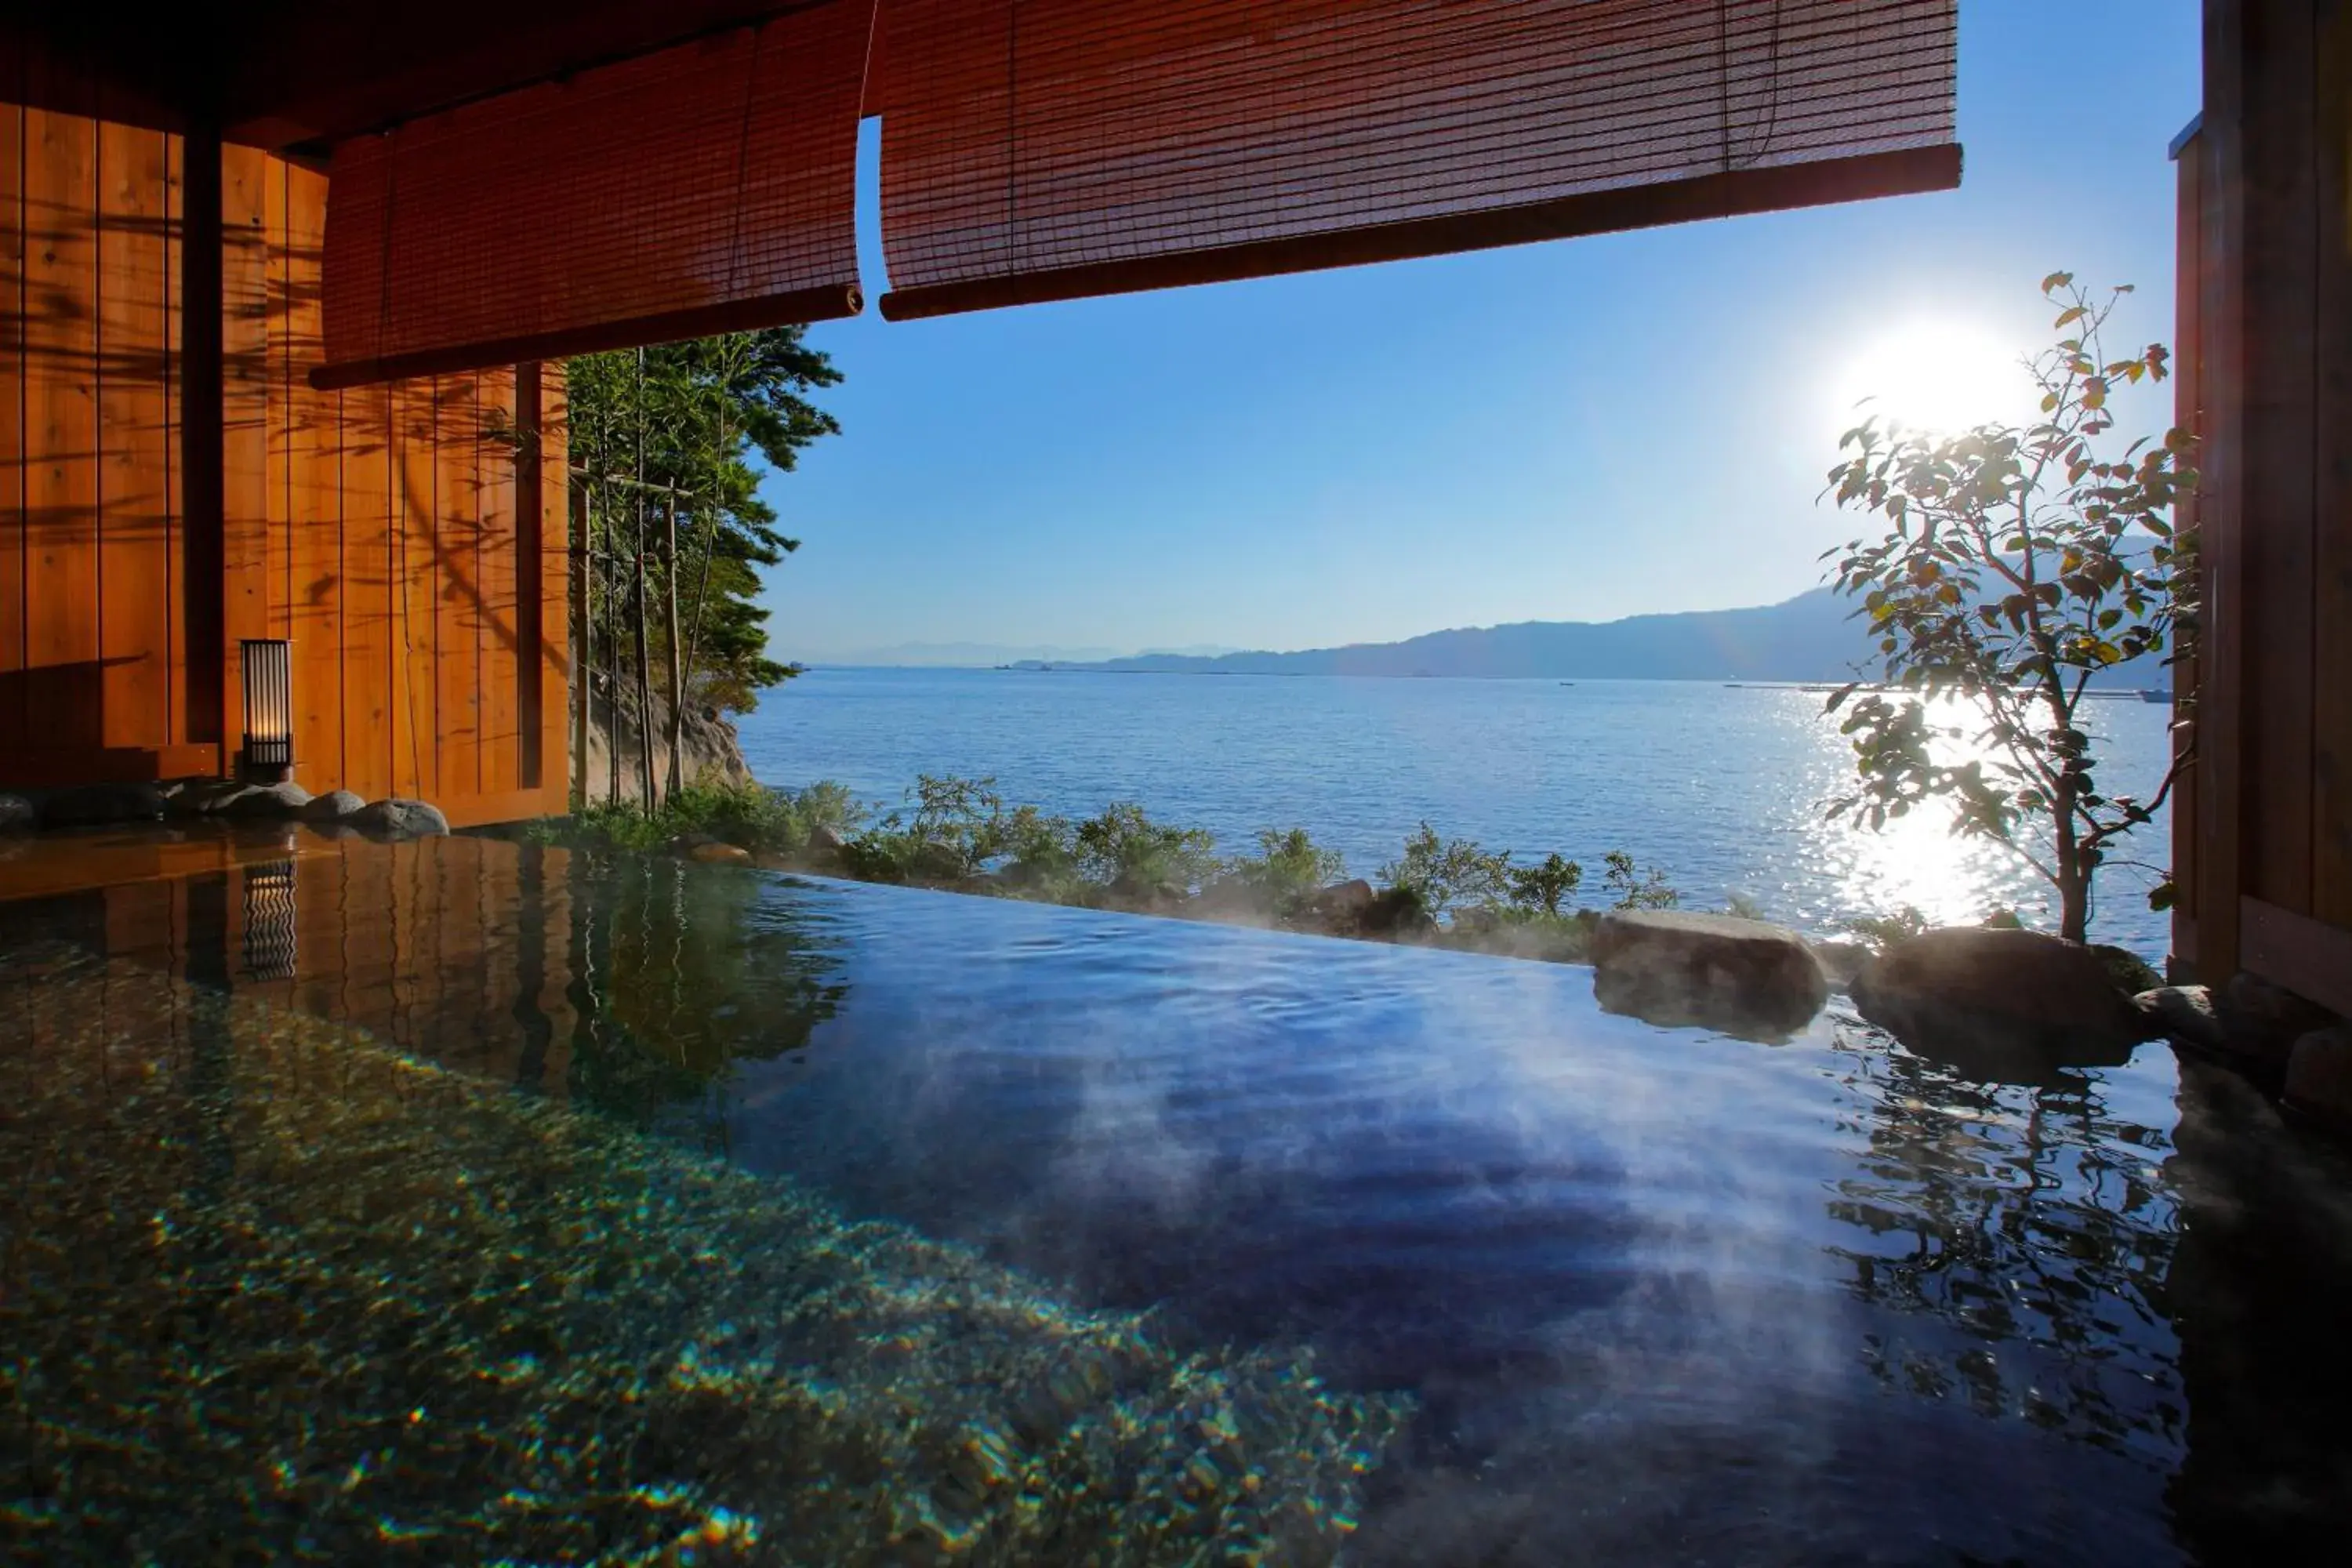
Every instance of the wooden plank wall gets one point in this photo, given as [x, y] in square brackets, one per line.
[398, 535]
[2264, 194]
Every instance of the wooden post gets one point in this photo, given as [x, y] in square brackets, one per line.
[2187, 412]
[2220, 697]
[676, 671]
[535, 544]
[203, 487]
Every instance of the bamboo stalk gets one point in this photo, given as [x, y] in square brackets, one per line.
[584, 654]
[676, 673]
[709, 542]
[613, 690]
[648, 787]
[702, 591]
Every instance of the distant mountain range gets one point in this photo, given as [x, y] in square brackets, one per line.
[1809, 639]
[982, 655]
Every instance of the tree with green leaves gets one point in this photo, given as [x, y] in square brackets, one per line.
[2019, 563]
[704, 418]
[1445, 873]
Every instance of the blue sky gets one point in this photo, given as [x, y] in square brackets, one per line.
[1574, 431]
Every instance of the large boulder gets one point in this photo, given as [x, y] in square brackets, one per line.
[18, 815]
[717, 854]
[2185, 1015]
[1400, 914]
[1678, 967]
[1343, 906]
[270, 803]
[2001, 1004]
[96, 804]
[399, 818]
[335, 806]
[204, 797]
[711, 750]
[2129, 972]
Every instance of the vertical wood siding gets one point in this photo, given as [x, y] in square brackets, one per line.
[2331, 612]
[402, 537]
[62, 706]
[2267, 830]
[13, 383]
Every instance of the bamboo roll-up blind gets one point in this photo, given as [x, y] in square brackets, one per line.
[1050, 149]
[708, 187]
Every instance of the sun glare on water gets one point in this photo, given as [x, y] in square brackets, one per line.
[1917, 861]
[1938, 376]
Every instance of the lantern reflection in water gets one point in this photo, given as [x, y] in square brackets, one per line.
[270, 921]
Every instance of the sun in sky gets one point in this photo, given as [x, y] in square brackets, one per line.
[1938, 377]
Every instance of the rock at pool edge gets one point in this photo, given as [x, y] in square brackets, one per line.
[2002, 1004]
[1718, 972]
[398, 818]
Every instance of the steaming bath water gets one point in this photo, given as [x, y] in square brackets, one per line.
[462, 1202]
[1722, 788]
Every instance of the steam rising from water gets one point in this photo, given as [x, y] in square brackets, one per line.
[1636, 1294]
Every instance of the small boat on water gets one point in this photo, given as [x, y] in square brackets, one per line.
[2165, 696]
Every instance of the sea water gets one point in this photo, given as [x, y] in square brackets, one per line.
[1725, 789]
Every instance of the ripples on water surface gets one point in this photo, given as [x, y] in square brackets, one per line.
[1723, 788]
[500, 1202]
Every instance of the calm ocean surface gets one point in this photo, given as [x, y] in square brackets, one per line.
[1720, 787]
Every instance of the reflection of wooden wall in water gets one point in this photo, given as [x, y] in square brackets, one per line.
[423, 948]
[400, 535]
[2263, 840]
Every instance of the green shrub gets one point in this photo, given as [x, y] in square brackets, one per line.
[1636, 889]
[949, 830]
[1127, 853]
[1396, 911]
[826, 804]
[1543, 887]
[621, 826]
[1041, 859]
[1289, 869]
[1443, 873]
[750, 815]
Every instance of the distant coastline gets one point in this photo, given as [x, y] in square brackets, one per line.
[1813, 639]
